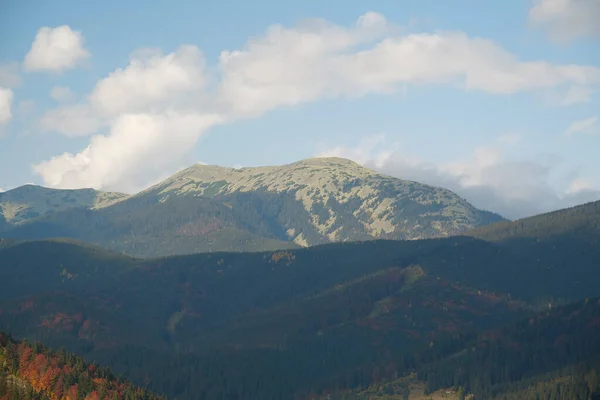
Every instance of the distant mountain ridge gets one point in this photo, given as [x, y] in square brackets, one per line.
[582, 220]
[29, 201]
[213, 208]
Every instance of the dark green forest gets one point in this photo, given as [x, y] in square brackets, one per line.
[493, 318]
[552, 355]
[581, 221]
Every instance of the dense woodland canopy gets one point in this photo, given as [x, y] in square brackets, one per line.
[581, 221]
[348, 320]
[552, 355]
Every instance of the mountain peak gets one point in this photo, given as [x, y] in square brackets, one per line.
[337, 197]
[319, 172]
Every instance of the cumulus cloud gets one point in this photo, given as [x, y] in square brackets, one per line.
[489, 179]
[56, 49]
[147, 109]
[584, 126]
[62, 94]
[286, 66]
[75, 120]
[6, 99]
[113, 160]
[151, 82]
[151, 78]
[567, 19]
[290, 66]
[9, 75]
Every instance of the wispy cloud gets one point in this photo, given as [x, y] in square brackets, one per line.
[62, 94]
[584, 126]
[577, 95]
[567, 19]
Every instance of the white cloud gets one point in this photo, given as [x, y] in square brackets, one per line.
[488, 178]
[56, 49]
[76, 120]
[579, 185]
[584, 126]
[311, 61]
[290, 66]
[149, 110]
[9, 75]
[62, 94]
[151, 78]
[577, 95]
[151, 82]
[567, 19]
[6, 99]
[137, 149]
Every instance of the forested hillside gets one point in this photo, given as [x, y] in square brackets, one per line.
[149, 227]
[284, 324]
[582, 221]
[32, 371]
[557, 351]
[552, 355]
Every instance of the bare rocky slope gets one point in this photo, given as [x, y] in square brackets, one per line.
[337, 194]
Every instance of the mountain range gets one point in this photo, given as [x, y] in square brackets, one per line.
[302, 285]
[211, 208]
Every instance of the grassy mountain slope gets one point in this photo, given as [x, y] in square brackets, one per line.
[146, 226]
[335, 316]
[315, 201]
[32, 371]
[343, 200]
[28, 202]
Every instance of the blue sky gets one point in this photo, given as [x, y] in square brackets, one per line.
[497, 101]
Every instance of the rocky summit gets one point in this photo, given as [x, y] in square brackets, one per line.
[340, 199]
